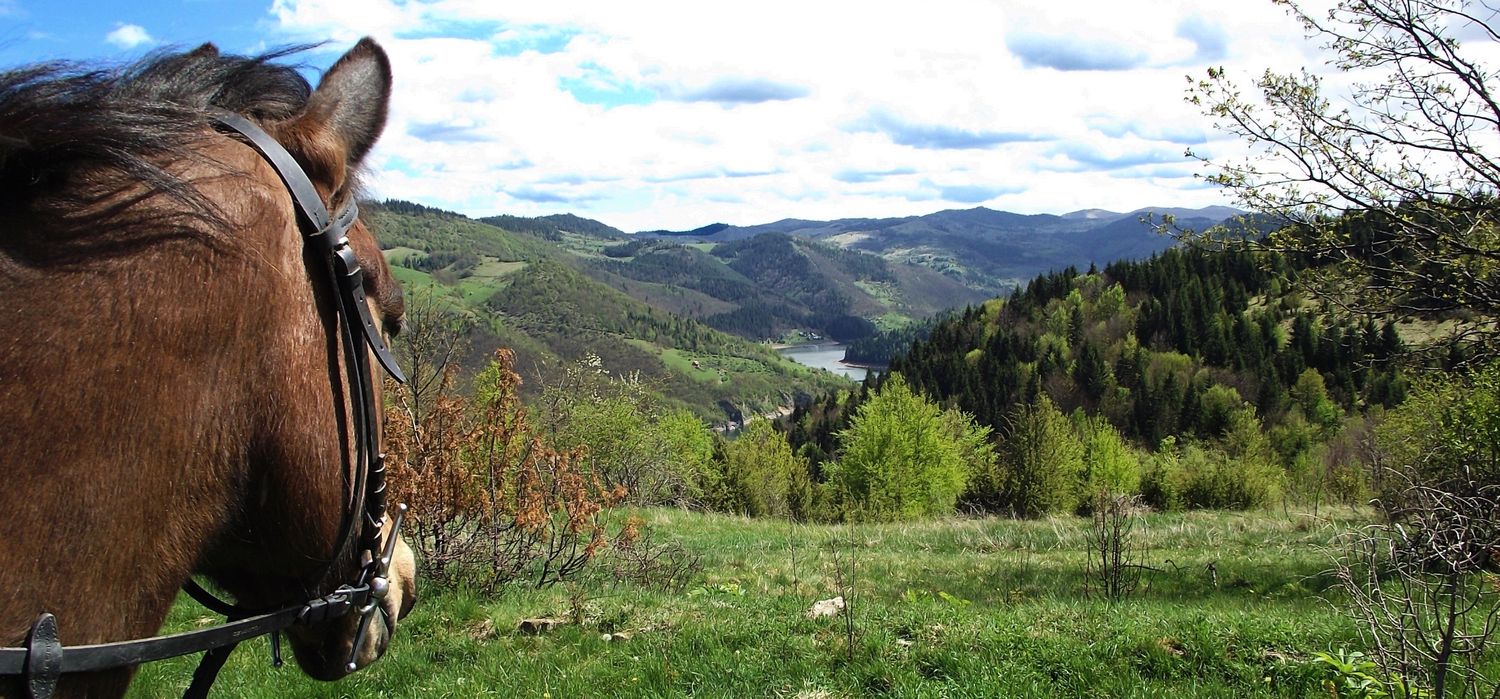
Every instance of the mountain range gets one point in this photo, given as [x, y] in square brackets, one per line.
[691, 311]
[991, 251]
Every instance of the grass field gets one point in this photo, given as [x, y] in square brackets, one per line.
[960, 608]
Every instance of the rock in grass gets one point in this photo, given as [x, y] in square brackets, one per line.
[827, 607]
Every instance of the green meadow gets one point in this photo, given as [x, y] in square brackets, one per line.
[1226, 605]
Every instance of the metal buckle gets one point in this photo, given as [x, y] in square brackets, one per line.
[379, 586]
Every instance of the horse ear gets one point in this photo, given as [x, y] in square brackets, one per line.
[353, 97]
[207, 50]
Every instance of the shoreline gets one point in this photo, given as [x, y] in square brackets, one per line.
[778, 346]
[819, 344]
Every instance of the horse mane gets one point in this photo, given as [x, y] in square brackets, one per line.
[77, 142]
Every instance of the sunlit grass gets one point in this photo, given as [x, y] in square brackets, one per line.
[958, 607]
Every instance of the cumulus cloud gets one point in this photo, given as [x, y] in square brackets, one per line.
[733, 91]
[1205, 34]
[682, 176]
[129, 36]
[975, 193]
[938, 136]
[1073, 53]
[1155, 130]
[711, 174]
[448, 132]
[596, 85]
[868, 176]
[538, 195]
[741, 174]
[1162, 171]
[677, 115]
[1093, 158]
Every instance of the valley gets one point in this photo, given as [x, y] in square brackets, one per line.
[696, 314]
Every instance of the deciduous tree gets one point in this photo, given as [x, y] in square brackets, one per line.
[1386, 171]
[902, 458]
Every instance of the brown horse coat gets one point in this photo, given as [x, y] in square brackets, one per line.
[171, 389]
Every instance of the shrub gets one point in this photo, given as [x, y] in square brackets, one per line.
[1258, 478]
[628, 436]
[902, 457]
[1163, 480]
[1210, 480]
[758, 475]
[1446, 436]
[1110, 465]
[490, 501]
[1040, 461]
[1236, 472]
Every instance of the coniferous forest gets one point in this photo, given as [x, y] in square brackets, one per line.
[1204, 352]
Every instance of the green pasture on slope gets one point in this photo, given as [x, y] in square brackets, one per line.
[949, 608]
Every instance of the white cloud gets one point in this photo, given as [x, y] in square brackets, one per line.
[681, 113]
[129, 36]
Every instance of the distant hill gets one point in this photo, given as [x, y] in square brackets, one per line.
[984, 249]
[688, 308]
[553, 227]
[527, 292]
[765, 287]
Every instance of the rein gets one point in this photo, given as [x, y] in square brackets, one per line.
[44, 660]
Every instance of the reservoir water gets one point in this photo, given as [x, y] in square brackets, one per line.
[824, 355]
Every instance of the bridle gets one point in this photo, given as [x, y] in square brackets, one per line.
[44, 660]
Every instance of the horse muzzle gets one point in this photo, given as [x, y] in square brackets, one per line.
[327, 651]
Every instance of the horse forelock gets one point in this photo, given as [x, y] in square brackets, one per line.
[74, 138]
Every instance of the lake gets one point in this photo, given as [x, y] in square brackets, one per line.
[824, 355]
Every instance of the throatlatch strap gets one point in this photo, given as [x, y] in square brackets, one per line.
[208, 671]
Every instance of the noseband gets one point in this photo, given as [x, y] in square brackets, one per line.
[44, 659]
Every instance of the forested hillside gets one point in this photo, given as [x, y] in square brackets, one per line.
[766, 287]
[523, 292]
[1192, 347]
[1147, 343]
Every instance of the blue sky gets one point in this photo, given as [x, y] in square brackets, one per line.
[32, 30]
[677, 114]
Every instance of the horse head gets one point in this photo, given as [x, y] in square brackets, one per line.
[329, 139]
[177, 385]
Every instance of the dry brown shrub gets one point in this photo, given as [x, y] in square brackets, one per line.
[491, 502]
